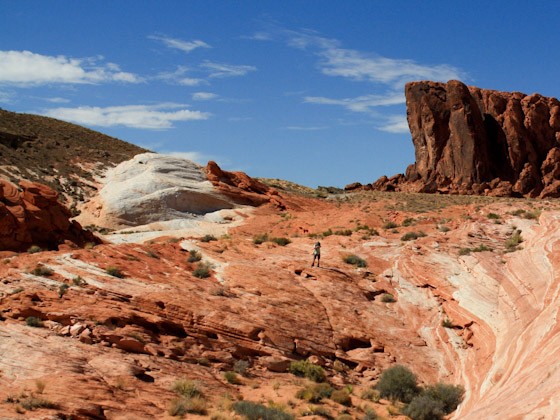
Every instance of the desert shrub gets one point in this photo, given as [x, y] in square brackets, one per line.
[78, 281]
[33, 249]
[354, 260]
[410, 236]
[389, 225]
[327, 232]
[186, 388]
[306, 369]
[314, 393]
[115, 272]
[409, 221]
[194, 256]
[449, 395]
[341, 396]
[493, 216]
[424, 407]
[317, 411]
[152, 254]
[344, 417]
[532, 215]
[398, 382]
[33, 403]
[481, 248]
[231, 377]
[254, 411]
[259, 239]
[443, 228]
[370, 394]
[201, 271]
[512, 244]
[465, 251]
[241, 366]
[281, 241]
[387, 298]
[181, 406]
[33, 321]
[345, 232]
[42, 271]
[208, 238]
[62, 289]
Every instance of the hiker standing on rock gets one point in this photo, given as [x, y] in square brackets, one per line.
[316, 254]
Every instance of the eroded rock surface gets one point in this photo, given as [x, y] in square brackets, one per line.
[33, 216]
[477, 141]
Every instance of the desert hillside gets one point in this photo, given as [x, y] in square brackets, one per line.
[460, 290]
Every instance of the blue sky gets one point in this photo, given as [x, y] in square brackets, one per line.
[308, 91]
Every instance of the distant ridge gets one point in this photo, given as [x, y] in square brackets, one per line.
[63, 155]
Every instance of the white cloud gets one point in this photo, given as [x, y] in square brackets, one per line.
[179, 44]
[57, 100]
[204, 96]
[179, 76]
[395, 124]
[189, 81]
[153, 117]
[6, 97]
[24, 68]
[360, 103]
[218, 70]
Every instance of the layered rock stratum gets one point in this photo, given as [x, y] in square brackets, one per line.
[469, 140]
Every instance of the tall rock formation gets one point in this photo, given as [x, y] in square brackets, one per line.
[477, 141]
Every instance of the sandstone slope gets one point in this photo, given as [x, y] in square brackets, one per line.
[120, 343]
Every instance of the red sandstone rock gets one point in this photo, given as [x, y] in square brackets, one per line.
[467, 136]
[35, 217]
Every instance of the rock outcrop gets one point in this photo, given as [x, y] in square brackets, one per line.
[475, 141]
[33, 216]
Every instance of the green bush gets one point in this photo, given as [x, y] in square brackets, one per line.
[423, 407]
[33, 249]
[181, 406]
[231, 377]
[254, 411]
[387, 298]
[450, 395]
[62, 289]
[186, 388]
[341, 396]
[115, 272]
[446, 323]
[410, 236]
[33, 403]
[512, 244]
[32, 321]
[208, 238]
[345, 232]
[370, 415]
[408, 222]
[314, 393]
[493, 216]
[306, 369]
[202, 271]
[398, 382]
[194, 256]
[42, 271]
[281, 241]
[370, 394]
[354, 260]
[481, 248]
[465, 251]
[389, 225]
[259, 239]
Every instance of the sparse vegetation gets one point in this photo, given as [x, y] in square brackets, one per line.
[446, 323]
[398, 383]
[342, 397]
[434, 402]
[78, 281]
[33, 249]
[409, 221]
[181, 406]
[389, 225]
[62, 289]
[187, 388]
[260, 239]
[370, 415]
[314, 393]
[306, 369]
[32, 321]
[241, 366]
[42, 271]
[202, 271]
[388, 298]
[231, 377]
[281, 241]
[115, 272]
[493, 216]
[194, 256]
[354, 260]
[208, 238]
[255, 411]
[512, 244]
[410, 236]
[371, 394]
[152, 254]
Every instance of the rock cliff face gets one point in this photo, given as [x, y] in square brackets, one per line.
[476, 141]
[33, 216]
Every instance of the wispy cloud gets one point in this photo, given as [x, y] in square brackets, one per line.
[181, 77]
[25, 68]
[153, 117]
[6, 97]
[179, 44]
[220, 70]
[305, 128]
[395, 124]
[204, 96]
[361, 103]
[57, 100]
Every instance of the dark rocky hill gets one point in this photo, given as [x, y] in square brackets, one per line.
[65, 156]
